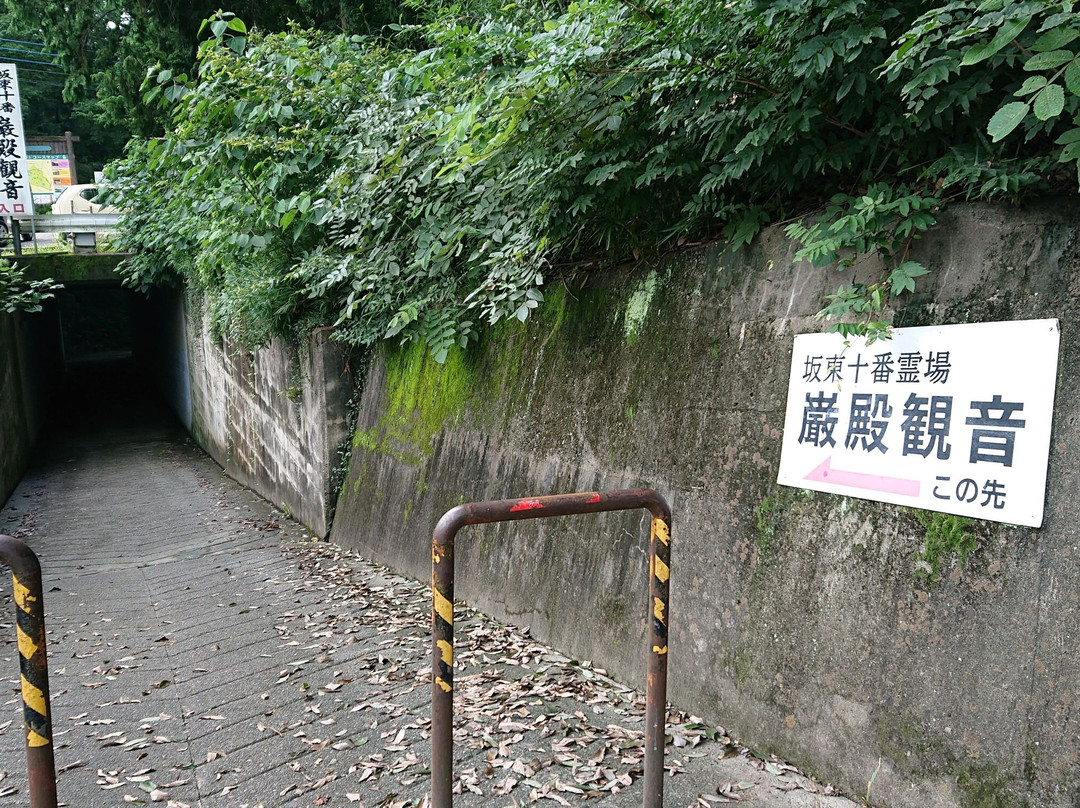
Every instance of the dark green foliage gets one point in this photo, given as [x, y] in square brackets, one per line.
[420, 187]
[104, 47]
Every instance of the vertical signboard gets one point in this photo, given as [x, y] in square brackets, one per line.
[953, 418]
[16, 198]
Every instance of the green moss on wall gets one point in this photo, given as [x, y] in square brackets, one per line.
[921, 753]
[637, 308]
[421, 396]
[946, 534]
[71, 268]
[984, 786]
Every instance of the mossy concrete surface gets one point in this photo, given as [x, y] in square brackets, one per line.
[799, 621]
[273, 417]
[69, 268]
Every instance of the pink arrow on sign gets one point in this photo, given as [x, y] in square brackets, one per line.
[870, 482]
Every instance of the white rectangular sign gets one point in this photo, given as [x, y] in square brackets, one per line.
[953, 418]
[16, 198]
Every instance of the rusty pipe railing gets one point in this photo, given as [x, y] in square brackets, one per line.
[442, 620]
[34, 669]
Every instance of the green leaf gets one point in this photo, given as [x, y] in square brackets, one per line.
[1049, 103]
[902, 279]
[1070, 152]
[1048, 61]
[1071, 136]
[1055, 39]
[1072, 78]
[1008, 32]
[1006, 119]
[1032, 84]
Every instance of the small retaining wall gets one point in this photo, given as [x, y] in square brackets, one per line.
[29, 368]
[273, 418]
[799, 620]
[16, 434]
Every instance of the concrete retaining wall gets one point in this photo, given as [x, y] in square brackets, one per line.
[799, 620]
[273, 417]
[16, 435]
[29, 369]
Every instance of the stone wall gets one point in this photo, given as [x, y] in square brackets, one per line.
[274, 417]
[799, 621]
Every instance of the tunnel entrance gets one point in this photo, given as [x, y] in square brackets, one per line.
[98, 363]
[114, 348]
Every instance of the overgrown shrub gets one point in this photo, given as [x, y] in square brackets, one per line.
[424, 187]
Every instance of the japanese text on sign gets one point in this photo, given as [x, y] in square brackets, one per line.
[953, 418]
[16, 198]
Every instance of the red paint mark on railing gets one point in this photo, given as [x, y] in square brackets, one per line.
[527, 505]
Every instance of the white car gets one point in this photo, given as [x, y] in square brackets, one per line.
[80, 199]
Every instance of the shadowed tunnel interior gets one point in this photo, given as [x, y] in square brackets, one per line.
[110, 359]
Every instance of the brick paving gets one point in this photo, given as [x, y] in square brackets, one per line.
[204, 651]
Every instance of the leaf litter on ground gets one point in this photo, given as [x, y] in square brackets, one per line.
[539, 726]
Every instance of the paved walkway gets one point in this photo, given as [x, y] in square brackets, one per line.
[204, 651]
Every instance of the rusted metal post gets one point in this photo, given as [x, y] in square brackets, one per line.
[442, 620]
[30, 632]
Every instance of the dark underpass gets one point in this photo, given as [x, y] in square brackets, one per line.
[102, 356]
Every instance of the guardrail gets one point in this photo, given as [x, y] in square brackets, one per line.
[70, 223]
[442, 620]
[83, 227]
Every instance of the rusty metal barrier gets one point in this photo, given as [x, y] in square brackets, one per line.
[33, 666]
[442, 620]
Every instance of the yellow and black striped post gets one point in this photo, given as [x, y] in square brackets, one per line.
[34, 669]
[442, 620]
[656, 682]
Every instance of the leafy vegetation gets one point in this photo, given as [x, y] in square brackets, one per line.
[18, 293]
[422, 186]
[106, 46]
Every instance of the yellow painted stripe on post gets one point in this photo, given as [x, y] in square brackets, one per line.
[27, 647]
[658, 609]
[446, 688]
[443, 607]
[22, 594]
[33, 739]
[663, 571]
[447, 652]
[34, 698]
[660, 530]
[658, 650]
